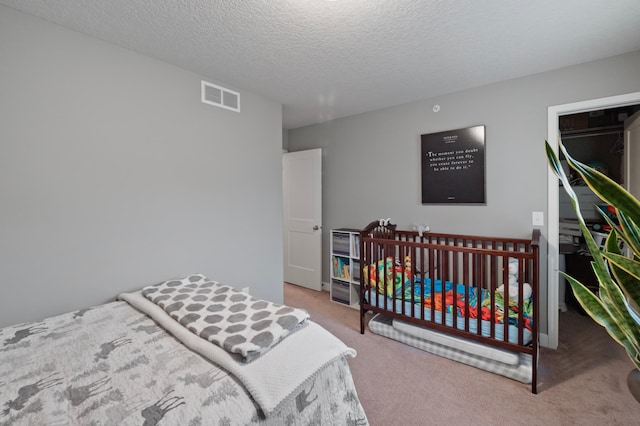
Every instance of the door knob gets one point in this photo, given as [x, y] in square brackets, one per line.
[316, 227]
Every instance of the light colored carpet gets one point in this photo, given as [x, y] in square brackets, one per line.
[583, 382]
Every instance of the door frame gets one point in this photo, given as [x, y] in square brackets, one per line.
[553, 216]
[633, 120]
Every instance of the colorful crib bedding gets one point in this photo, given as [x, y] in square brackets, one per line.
[456, 300]
[387, 268]
[409, 290]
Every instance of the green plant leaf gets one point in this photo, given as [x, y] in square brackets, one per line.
[611, 245]
[632, 267]
[598, 312]
[616, 307]
[559, 171]
[614, 301]
[630, 231]
[631, 289]
[606, 189]
[614, 226]
[586, 233]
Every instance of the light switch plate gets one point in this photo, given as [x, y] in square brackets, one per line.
[537, 218]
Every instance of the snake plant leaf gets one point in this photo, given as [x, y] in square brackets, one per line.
[598, 312]
[555, 164]
[614, 301]
[615, 227]
[606, 189]
[609, 221]
[620, 315]
[612, 245]
[631, 290]
[594, 249]
[616, 307]
[632, 267]
[559, 171]
[630, 231]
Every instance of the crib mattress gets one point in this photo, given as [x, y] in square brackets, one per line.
[388, 304]
[521, 371]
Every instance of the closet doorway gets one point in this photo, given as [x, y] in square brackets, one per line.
[554, 114]
[595, 138]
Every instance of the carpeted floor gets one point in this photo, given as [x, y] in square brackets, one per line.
[583, 382]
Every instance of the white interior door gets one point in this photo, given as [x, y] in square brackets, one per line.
[632, 154]
[302, 196]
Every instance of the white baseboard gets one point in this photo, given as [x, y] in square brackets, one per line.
[544, 341]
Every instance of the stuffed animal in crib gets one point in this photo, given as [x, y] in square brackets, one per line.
[513, 282]
[407, 266]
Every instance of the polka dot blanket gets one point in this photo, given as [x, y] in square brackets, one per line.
[220, 314]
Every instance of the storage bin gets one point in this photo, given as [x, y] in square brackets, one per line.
[340, 243]
[340, 291]
[355, 275]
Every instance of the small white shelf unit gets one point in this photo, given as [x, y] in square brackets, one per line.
[345, 267]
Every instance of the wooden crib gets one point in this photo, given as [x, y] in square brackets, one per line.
[454, 284]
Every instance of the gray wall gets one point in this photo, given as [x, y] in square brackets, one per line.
[285, 140]
[113, 175]
[371, 162]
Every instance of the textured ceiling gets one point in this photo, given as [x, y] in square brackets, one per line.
[330, 59]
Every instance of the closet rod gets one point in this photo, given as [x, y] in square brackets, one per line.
[587, 134]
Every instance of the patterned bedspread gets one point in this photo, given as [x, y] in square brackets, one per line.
[113, 365]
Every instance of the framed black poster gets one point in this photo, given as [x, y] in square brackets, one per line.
[453, 166]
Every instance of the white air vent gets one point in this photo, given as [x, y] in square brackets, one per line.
[220, 97]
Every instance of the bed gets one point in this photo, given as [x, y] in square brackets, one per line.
[189, 351]
[470, 298]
